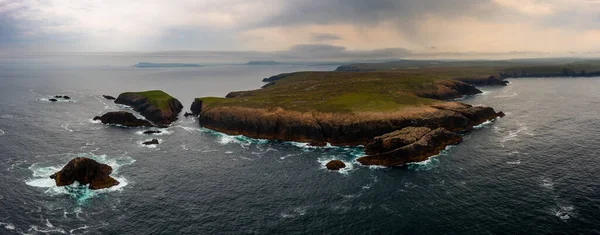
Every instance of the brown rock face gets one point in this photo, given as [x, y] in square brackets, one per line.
[335, 165]
[338, 129]
[141, 104]
[449, 89]
[123, 118]
[477, 114]
[396, 139]
[196, 107]
[85, 171]
[428, 145]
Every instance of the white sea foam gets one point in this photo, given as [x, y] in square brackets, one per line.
[484, 124]
[547, 183]
[7, 116]
[512, 135]
[41, 178]
[8, 226]
[95, 121]
[430, 163]
[66, 127]
[2, 133]
[102, 102]
[564, 212]
[517, 162]
[299, 211]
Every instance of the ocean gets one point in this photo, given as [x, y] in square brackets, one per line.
[534, 171]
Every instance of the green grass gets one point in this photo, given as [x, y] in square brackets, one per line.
[336, 92]
[157, 97]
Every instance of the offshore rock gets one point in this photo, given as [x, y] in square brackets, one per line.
[156, 106]
[335, 165]
[85, 171]
[151, 132]
[151, 142]
[123, 118]
[108, 97]
[429, 145]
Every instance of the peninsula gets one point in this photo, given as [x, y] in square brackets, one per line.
[398, 109]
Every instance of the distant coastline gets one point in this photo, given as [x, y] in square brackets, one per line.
[165, 65]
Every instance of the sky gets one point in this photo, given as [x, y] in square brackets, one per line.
[289, 28]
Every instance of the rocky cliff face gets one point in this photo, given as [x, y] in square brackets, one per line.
[122, 118]
[196, 107]
[449, 89]
[405, 150]
[161, 115]
[338, 129]
[85, 171]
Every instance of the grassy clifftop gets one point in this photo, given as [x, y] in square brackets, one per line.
[342, 92]
[158, 98]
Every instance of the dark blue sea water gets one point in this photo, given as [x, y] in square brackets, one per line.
[533, 172]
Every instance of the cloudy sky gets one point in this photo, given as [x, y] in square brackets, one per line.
[314, 26]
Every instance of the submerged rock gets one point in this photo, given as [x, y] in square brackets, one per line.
[335, 165]
[123, 118]
[85, 171]
[151, 132]
[430, 144]
[151, 142]
[186, 114]
[108, 97]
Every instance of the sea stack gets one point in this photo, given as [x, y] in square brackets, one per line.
[85, 171]
[156, 106]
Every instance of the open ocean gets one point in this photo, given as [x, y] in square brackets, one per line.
[535, 171]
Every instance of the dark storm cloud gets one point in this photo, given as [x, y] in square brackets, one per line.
[362, 12]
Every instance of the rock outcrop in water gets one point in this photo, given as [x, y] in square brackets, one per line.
[108, 97]
[412, 144]
[156, 106]
[85, 171]
[122, 118]
[335, 165]
[151, 142]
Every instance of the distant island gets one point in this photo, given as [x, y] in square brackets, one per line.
[164, 65]
[264, 62]
[399, 110]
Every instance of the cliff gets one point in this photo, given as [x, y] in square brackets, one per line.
[156, 106]
[339, 129]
